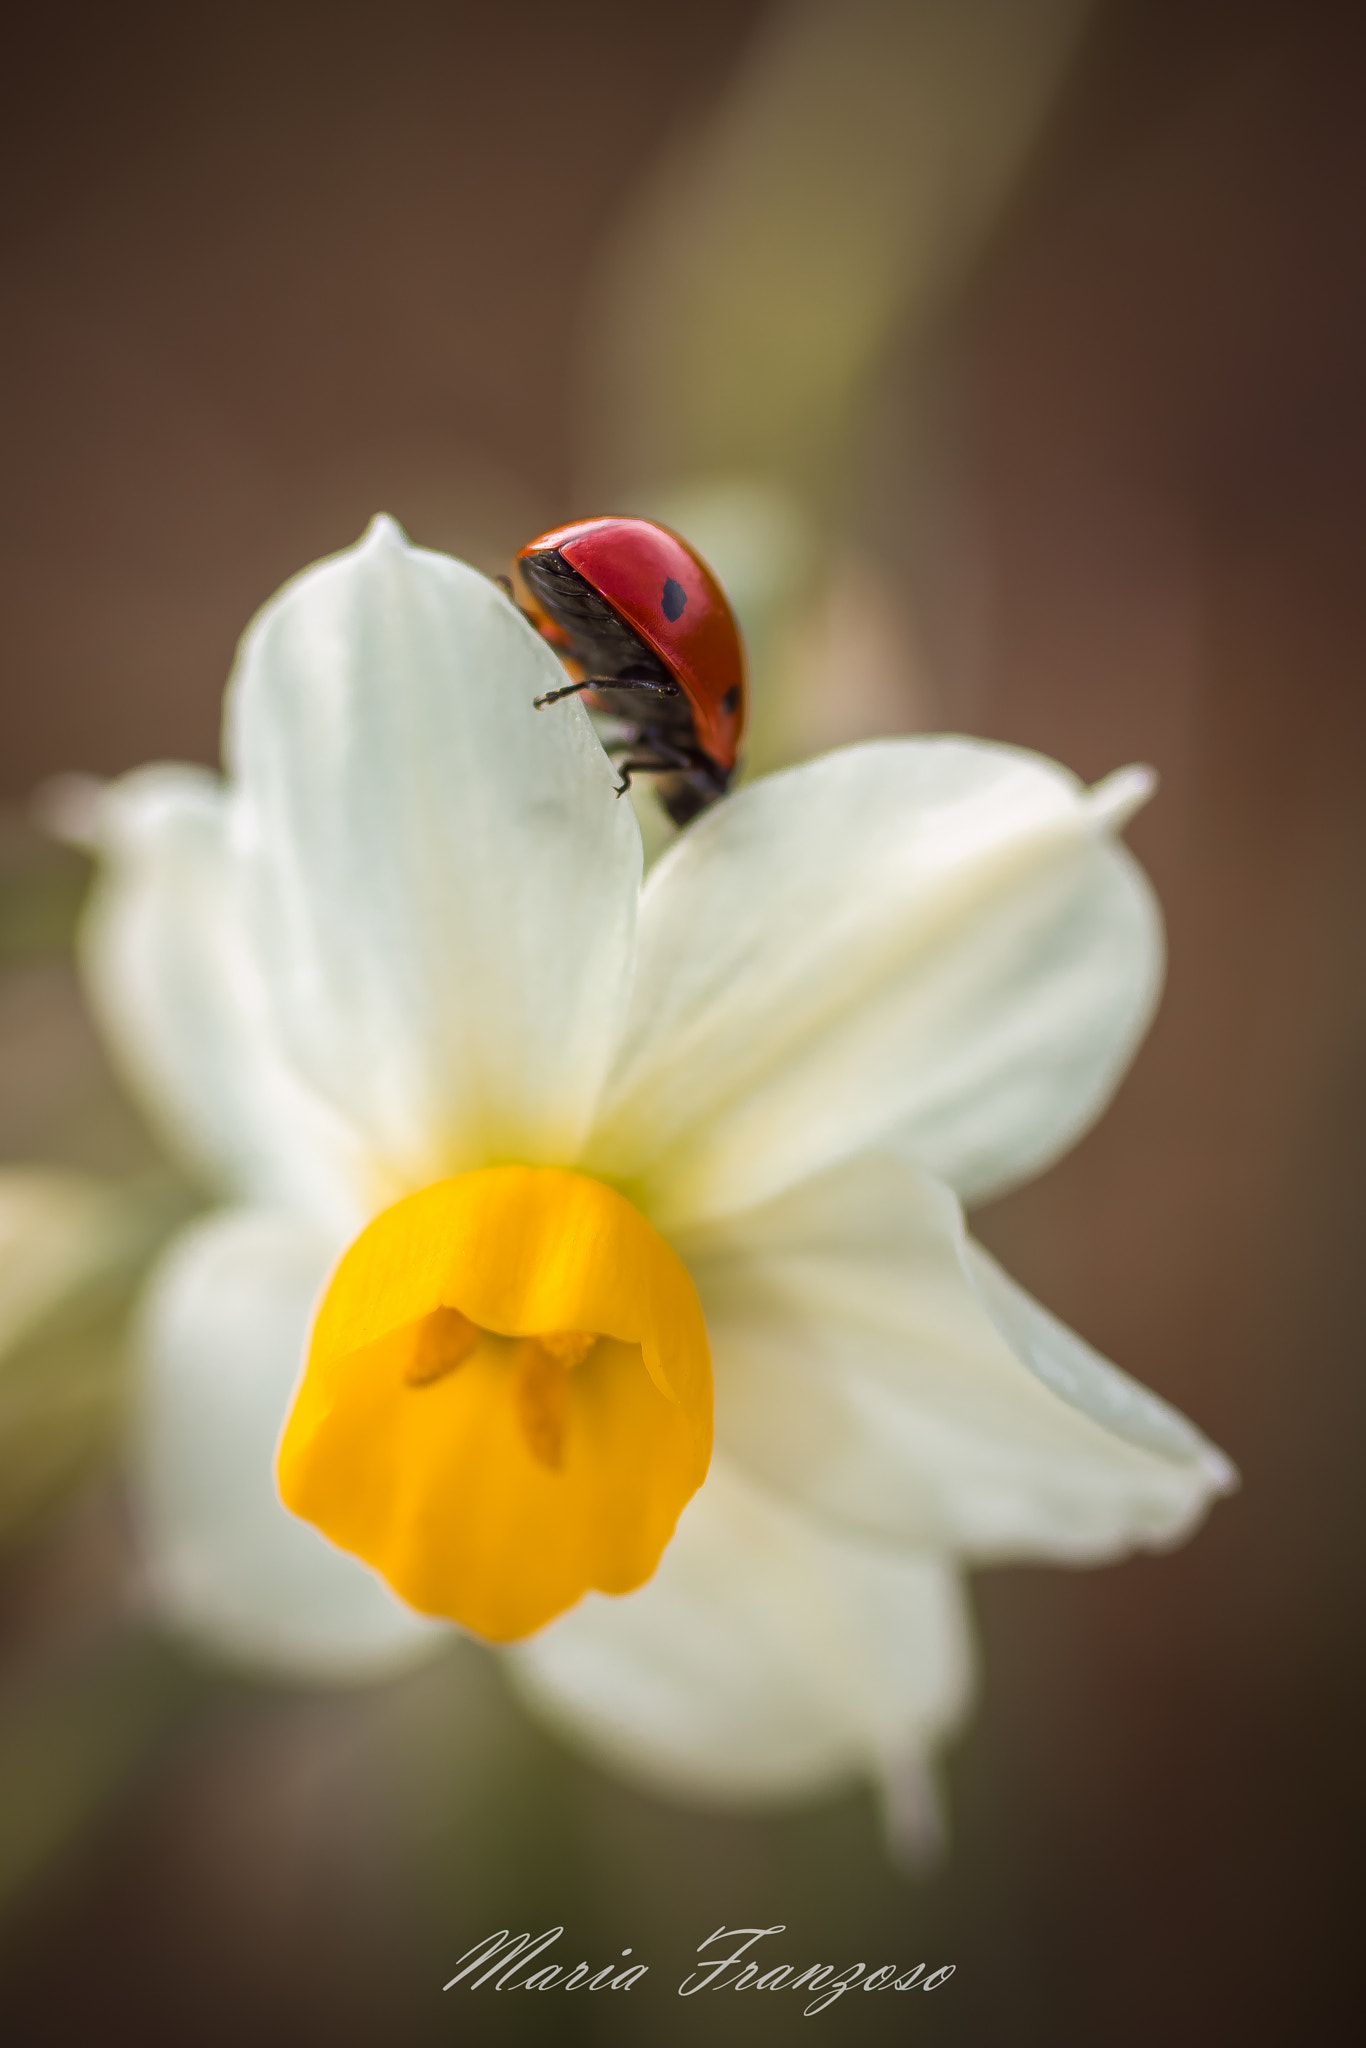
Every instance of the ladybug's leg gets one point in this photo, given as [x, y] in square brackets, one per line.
[554, 696]
[606, 683]
[642, 764]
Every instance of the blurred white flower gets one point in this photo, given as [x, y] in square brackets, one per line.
[70, 1251]
[395, 985]
[58, 1233]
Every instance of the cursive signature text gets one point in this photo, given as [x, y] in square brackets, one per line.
[509, 1955]
[820, 1978]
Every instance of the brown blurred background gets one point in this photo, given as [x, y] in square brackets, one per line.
[1007, 355]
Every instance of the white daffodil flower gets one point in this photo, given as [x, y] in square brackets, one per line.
[536, 1153]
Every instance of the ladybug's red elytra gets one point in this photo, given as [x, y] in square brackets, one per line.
[641, 616]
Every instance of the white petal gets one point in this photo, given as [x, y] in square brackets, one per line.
[221, 1349]
[764, 1658]
[444, 883]
[933, 936]
[1064, 1362]
[171, 973]
[873, 1365]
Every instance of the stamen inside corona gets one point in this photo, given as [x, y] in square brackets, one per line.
[540, 1366]
[442, 1341]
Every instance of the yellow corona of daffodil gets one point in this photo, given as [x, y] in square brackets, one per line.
[507, 1399]
[521, 1161]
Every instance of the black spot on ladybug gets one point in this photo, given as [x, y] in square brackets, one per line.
[731, 699]
[673, 600]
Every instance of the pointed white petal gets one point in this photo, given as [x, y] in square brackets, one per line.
[938, 937]
[765, 1658]
[1066, 1363]
[221, 1350]
[874, 1365]
[443, 881]
[170, 971]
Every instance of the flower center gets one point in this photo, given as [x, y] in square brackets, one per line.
[507, 1398]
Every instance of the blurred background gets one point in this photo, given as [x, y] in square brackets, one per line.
[1005, 356]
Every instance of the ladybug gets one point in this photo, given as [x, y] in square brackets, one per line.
[642, 616]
